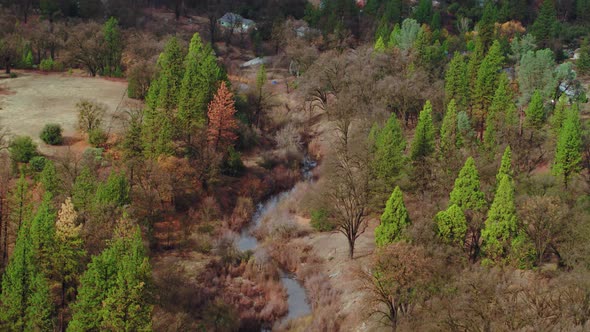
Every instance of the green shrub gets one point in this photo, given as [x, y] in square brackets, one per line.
[22, 149]
[233, 165]
[320, 220]
[13, 75]
[51, 134]
[46, 64]
[28, 60]
[97, 137]
[38, 163]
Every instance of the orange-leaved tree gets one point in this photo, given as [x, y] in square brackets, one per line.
[222, 122]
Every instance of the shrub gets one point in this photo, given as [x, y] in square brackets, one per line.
[139, 78]
[46, 64]
[320, 220]
[51, 134]
[38, 163]
[90, 115]
[233, 165]
[22, 149]
[28, 60]
[97, 137]
[13, 75]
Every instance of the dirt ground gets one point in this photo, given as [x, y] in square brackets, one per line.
[32, 100]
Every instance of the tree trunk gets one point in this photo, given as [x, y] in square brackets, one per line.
[7, 62]
[351, 248]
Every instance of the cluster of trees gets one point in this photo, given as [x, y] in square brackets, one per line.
[485, 173]
[46, 283]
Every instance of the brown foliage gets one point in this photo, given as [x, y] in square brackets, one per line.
[222, 123]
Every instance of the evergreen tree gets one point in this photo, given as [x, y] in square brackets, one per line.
[583, 11]
[115, 289]
[452, 225]
[49, 180]
[568, 155]
[394, 37]
[535, 111]
[113, 48]
[114, 192]
[583, 62]
[466, 193]
[456, 83]
[222, 121]
[486, 26]
[423, 144]
[382, 29]
[448, 130]
[389, 151]
[42, 234]
[423, 13]
[163, 96]
[200, 81]
[501, 224]
[559, 114]
[475, 59]
[490, 142]
[19, 202]
[407, 34]
[68, 255]
[546, 24]
[503, 108]
[394, 220]
[487, 83]
[505, 165]
[84, 190]
[25, 301]
[379, 45]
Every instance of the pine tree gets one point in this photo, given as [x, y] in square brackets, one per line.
[42, 234]
[394, 37]
[25, 301]
[162, 98]
[389, 151]
[501, 224]
[486, 26]
[84, 190]
[505, 165]
[535, 111]
[466, 193]
[452, 225]
[222, 123]
[503, 108]
[113, 48]
[115, 289]
[475, 59]
[200, 81]
[559, 114]
[40, 309]
[68, 255]
[568, 154]
[114, 192]
[394, 220]
[486, 84]
[490, 142]
[127, 307]
[379, 45]
[19, 202]
[448, 131]
[583, 62]
[546, 24]
[49, 180]
[423, 144]
[456, 83]
[423, 13]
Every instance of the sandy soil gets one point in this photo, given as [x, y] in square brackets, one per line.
[32, 100]
[343, 273]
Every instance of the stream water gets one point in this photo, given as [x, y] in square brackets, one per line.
[297, 298]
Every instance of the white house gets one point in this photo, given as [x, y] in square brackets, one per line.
[236, 22]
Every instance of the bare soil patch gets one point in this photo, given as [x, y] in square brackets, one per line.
[32, 100]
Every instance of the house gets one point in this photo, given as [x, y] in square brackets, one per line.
[236, 22]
